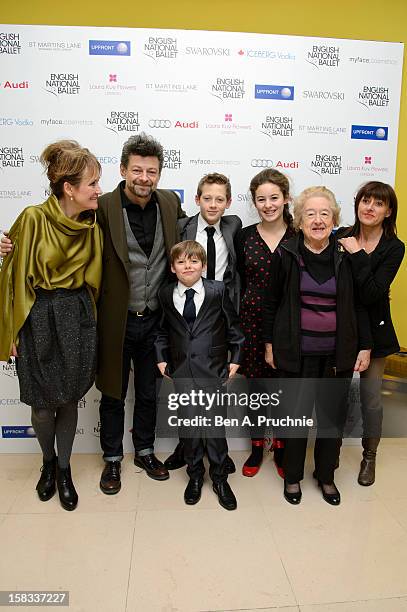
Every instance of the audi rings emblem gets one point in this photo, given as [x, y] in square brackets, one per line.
[262, 163]
[159, 123]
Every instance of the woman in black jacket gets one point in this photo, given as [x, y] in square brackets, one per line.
[375, 254]
[313, 330]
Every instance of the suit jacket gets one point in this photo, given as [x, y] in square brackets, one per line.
[373, 276]
[200, 352]
[229, 226]
[113, 302]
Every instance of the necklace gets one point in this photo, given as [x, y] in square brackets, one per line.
[314, 250]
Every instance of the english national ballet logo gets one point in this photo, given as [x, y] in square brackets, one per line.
[323, 56]
[369, 132]
[172, 159]
[110, 47]
[122, 121]
[10, 43]
[323, 164]
[276, 125]
[227, 88]
[274, 92]
[374, 96]
[11, 157]
[66, 84]
[159, 47]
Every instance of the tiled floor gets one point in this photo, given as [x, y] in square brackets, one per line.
[144, 550]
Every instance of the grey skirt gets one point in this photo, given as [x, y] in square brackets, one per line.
[56, 361]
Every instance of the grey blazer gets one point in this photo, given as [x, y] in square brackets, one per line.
[229, 225]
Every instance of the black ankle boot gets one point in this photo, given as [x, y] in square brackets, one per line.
[67, 494]
[46, 484]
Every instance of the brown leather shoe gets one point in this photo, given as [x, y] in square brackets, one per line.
[110, 480]
[154, 468]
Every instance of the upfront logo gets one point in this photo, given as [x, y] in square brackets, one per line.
[369, 132]
[274, 92]
[17, 431]
[109, 47]
[10, 43]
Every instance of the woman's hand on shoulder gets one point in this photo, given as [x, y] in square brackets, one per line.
[350, 244]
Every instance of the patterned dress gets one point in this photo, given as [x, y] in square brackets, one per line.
[254, 259]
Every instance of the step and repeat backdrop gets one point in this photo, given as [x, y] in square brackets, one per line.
[323, 111]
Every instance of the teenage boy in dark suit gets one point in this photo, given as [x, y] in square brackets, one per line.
[215, 232]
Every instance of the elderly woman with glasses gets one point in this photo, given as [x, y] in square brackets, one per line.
[316, 335]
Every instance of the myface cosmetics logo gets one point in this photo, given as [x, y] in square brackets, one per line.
[369, 132]
[274, 92]
[110, 47]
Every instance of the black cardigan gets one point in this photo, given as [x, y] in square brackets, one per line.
[282, 315]
[373, 276]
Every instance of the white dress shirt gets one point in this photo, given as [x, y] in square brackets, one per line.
[221, 250]
[179, 298]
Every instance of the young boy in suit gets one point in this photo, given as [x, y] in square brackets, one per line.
[199, 326]
[215, 232]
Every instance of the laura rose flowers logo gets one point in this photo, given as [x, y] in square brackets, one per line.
[62, 84]
[10, 43]
[109, 47]
[274, 92]
[369, 132]
[158, 47]
[323, 56]
[112, 85]
[228, 88]
[373, 95]
[11, 157]
[277, 126]
[326, 164]
[122, 121]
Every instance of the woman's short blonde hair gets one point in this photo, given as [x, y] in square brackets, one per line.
[312, 192]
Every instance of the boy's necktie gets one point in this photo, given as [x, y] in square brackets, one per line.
[189, 312]
[210, 253]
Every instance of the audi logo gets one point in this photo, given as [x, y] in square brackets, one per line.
[262, 163]
[159, 123]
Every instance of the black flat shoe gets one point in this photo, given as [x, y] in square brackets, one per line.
[46, 485]
[225, 495]
[176, 460]
[331, 498]
[154, 468]
[192, 493]
[292, 498]
[67, 493]
[229, 465]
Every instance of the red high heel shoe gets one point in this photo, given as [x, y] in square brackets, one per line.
[278, 448]
[251, 470]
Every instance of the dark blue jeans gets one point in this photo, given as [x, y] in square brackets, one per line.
[138, 349]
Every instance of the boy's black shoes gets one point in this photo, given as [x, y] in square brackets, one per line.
[192, 493]
[176, 460]
[225, 495]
